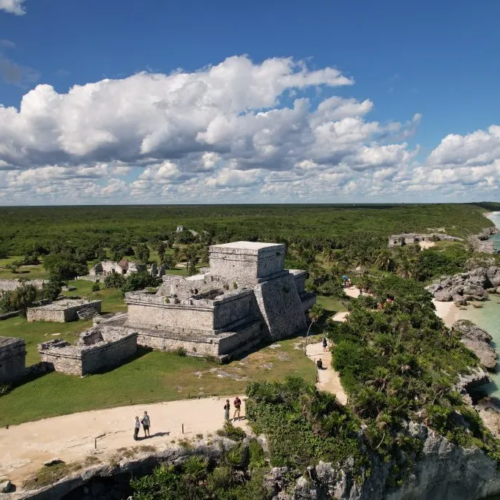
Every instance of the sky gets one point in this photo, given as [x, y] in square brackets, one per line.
[189, 101]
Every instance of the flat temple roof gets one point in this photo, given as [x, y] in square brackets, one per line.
[250, 245]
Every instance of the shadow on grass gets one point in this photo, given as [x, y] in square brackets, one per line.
[141, 351]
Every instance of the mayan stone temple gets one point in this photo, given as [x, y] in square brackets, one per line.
[245, 297]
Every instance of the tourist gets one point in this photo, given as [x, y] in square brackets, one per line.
[227, 409]
[325, 344]
[137, 428]
[319, 364]
[146, 423]
[237, 407]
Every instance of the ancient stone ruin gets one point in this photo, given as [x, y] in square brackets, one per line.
[108, 267]
[63, 311]
[246, 296]
[400, 240]
[12, 359]
[97, 349]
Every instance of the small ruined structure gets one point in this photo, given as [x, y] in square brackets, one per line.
[180, 229]
[246, 297]
[400, 240]
[124, 267]
[12, 359]
[97, 349]
[63, 311]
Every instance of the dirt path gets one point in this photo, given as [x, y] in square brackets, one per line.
[24, 448]
[328, 378]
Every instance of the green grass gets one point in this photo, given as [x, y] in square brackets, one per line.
[331, 304]
[150, 377]
[29, 272]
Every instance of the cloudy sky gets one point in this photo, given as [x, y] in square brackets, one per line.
[170, 101]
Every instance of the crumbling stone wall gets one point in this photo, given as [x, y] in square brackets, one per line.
[61, 311]
[12, 359]
[97, 349]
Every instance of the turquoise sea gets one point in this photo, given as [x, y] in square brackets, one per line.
[489, 318]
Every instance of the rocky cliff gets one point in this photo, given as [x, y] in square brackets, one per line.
[443, 471]
[471, 285]
[478, 341]
[480, 241]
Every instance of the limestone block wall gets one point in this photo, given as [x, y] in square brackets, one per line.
[109, 353]
[300, 278]
[219, 346]
[233, 308]
[12, 359]
[115, 347]
[52, 312]
[245, 263]
[193, 285]
[162, 316]
[281, 307]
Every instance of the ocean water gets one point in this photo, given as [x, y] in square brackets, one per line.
[489, 318]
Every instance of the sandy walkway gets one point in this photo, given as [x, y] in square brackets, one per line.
[24, 448]
[340, 317]
[426, 244]
[447, 311]
[328, 378]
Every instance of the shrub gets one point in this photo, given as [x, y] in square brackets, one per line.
[180, 351]
[231, 432]
[96, 287]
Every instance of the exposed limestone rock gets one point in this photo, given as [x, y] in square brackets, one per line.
[478, 341]
[489, 411]
[480, 241]
[464, 287]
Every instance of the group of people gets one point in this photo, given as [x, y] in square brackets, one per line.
[146, 424]
[237, 409]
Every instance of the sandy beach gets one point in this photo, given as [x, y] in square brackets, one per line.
[447, 311]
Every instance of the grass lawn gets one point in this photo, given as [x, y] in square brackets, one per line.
[331, 304]
[149, 377]
[28, 272]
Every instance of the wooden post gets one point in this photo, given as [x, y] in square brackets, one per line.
[183, 428]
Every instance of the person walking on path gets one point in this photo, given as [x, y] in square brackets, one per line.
[227, 409]
[325, 344]
[137, 428]
[237, 407]
[146, 423]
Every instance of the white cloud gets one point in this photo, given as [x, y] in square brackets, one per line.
[237, 131]
[13, 7]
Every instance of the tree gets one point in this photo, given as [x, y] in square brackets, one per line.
[138, 281]
[114, 280]
[314, 314]
[161, 250]
[19, 299]
[142, 253]
[52, 289]
[65, 266]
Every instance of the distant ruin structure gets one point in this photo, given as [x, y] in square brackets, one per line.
[97, 349]
[108, 267]
[63, 311]
[12, 359]
[247, 296]
[400, 240]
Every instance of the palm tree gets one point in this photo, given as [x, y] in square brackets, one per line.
[314, 314]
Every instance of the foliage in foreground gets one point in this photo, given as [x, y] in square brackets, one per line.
[400, 364]
[302, 425]
[233, 478]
